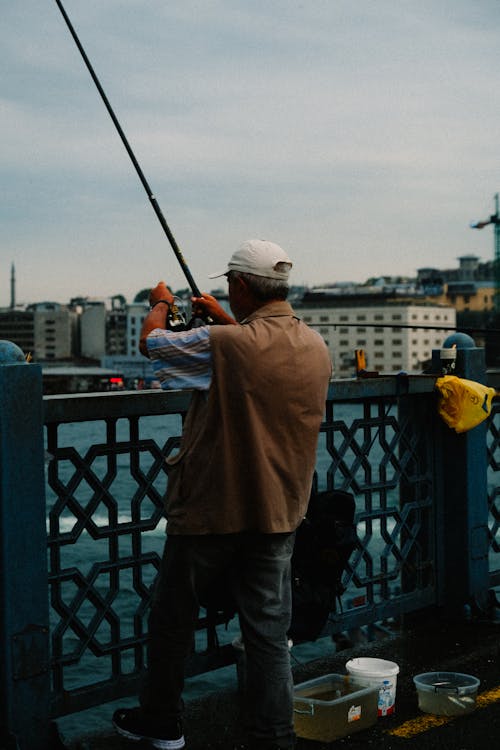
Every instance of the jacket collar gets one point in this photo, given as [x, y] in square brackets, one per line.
[276, 309]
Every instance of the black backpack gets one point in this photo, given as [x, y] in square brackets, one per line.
[324, 543]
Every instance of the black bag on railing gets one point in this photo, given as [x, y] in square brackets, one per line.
[324, 543]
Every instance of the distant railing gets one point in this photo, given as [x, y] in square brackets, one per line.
[105, 479]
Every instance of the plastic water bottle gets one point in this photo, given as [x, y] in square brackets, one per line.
[385, 697]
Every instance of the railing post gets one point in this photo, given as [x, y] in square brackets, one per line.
[24, 614]
[463, 512]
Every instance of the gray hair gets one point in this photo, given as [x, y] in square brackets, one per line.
[262, 287]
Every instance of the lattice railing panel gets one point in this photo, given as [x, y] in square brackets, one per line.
[383, 459]
[105, 536]
[106, 480]
[493, 453]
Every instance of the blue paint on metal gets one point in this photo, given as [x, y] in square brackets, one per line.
[463, 516]
[24, 619]
[10, 353]
[460, 340]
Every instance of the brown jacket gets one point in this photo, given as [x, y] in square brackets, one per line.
[248, 450]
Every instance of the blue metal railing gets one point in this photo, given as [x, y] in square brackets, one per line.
[493, 457]
[104, 481]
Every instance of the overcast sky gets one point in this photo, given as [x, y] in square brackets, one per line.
[363, 137]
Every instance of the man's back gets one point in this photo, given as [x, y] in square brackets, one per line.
[251, 444]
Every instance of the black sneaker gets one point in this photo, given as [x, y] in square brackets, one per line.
[134, 725]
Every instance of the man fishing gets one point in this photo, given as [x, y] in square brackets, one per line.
[237, 489]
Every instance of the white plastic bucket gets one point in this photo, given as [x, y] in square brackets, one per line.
[380, 673]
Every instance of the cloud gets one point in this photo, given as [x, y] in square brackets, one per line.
[353, 134]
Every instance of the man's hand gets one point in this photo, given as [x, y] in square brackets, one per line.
[207, 306]
[160, 292]
[157, 317]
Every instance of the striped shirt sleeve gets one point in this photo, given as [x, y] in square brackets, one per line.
[181, 359]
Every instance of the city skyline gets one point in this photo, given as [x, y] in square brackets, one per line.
[390, 278]
[360, 138]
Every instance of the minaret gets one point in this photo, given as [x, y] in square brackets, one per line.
[12, 287]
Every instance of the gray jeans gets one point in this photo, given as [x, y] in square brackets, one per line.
[257, 569]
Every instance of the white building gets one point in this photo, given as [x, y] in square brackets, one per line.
[93, 330]
[54, 331]
[136, 313]
[395, 337]
[132, 364]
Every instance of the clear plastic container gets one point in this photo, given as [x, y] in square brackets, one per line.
[446, 693]
[333, 706]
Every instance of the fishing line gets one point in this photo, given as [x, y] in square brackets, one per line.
[152, 199]
[363, 324]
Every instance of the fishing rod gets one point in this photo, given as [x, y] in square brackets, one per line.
[175, 247]
[364, 324]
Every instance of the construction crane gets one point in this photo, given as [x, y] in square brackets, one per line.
[495, 220]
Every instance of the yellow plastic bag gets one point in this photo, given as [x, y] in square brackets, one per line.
[463, 404]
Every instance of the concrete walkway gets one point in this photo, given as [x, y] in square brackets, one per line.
[473, 648]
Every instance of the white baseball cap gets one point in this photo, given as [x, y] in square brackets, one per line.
[259, 257]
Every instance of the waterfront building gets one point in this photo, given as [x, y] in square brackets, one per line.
[93, 330]
[468, 288]
[116, 327]
[55, 328]
[46, 330]
[469, 296]
[102, 329]
[128, 323]
[18, 326]
[395, 336]
[136, 312]
[470, 268]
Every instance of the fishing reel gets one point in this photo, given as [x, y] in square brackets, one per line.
[177, 319]
[176, 315]
[448, 359]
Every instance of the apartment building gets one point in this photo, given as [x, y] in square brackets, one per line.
[103, 331]
[46, 330]
[18, 326]
[116, 331]
[136, 312]
[471, 296]
[395, 337]
[127, 327]
[93, 330]
[55, 331]
[469, 288]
